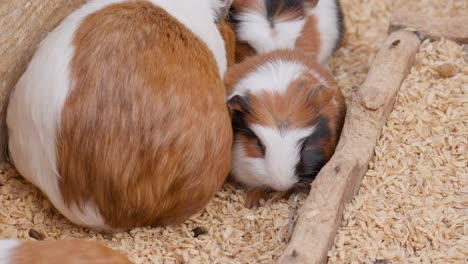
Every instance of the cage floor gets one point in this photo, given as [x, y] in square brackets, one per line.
[412, 205]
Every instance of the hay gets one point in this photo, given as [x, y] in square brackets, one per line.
[412, 206]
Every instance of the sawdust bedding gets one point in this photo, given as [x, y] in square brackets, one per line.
[413, 202]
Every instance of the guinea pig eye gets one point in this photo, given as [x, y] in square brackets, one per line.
[260, 147]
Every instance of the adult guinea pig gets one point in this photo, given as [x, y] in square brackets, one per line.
[120, 118]
[287, 116]
[314, 27]
[68, 251]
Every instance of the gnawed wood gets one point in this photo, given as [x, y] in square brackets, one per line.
[340, 179]
[453, 28]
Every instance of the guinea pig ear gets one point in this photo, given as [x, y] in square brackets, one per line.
[239, 103]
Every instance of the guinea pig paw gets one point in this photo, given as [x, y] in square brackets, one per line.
[256, 199]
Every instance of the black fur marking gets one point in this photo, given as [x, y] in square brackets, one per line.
[312, 154]
[239, 125]
[242, 101]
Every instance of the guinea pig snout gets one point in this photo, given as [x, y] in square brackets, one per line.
[281, 181]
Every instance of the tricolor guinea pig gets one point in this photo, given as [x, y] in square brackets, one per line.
[287, 116]
[120, 118]
[314, 27]
[69, 251]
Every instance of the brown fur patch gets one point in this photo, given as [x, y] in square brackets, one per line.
[145, 133]
[65, 251]
[309, 40]
[243, 51]
[229, 38]
[250, 145]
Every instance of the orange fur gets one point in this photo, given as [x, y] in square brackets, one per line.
[65, 251]
[229, 38]
[145, 133]
[243, 51]
[250, 145]
[309, 40]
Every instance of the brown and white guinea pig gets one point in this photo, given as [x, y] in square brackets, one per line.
[120, 118]
[68, 251]
[287, 116]
[314, 27]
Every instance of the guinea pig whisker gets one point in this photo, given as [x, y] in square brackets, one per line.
[307, 180]
[302, 187]
[254, 188]
[308, 174]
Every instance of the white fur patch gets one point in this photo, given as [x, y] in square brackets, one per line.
[327, 17]
[255, 29]
[6, 248]
[277, 169]
[274, 76]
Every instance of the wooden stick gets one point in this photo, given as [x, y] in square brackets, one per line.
[339, 180]
[454, 28]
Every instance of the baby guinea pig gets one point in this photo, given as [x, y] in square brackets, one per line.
[68, 251]
[120, 118]
[314, 27]
[287, 116]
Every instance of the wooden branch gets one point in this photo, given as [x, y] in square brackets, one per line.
[454, 28]
[339, 180]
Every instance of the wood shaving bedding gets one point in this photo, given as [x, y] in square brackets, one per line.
[412, 206]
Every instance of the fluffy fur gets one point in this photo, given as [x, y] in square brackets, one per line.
[287, 117]
[96, 130]
[313, 28]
